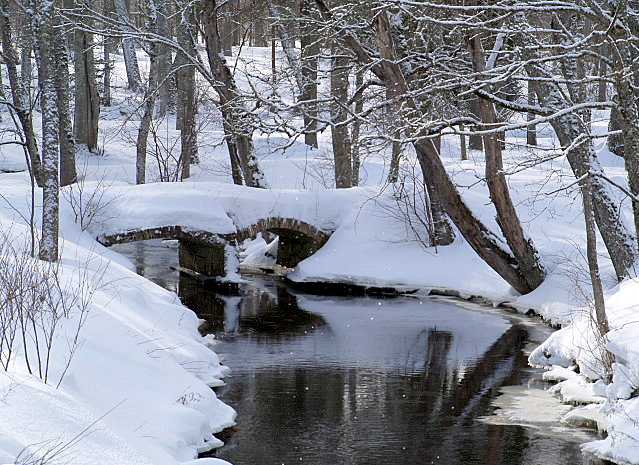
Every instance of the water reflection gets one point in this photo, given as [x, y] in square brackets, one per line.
[361, 381]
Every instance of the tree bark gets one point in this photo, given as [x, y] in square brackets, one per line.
[531, 129]
[128, 47]
[339, 115]
[310, 50]
[396, 146]
[163, 60]
[463, 148]
[68, 173]
[186, 32]
[149, 101]
[87, 99]
[591, 252]
[43, 33]
[358, 108]
[628, 114]
[107, 46]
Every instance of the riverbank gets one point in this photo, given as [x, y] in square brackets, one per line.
[129, 375]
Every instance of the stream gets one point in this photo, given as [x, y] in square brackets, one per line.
[326, 380]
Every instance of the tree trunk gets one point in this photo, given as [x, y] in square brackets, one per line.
[396, 146]
[310, 51]
[128, 47]
[628, 114]
[462, 144]
[149, 101]
[303, 64]
[107, 48]
[591, 252]
[233, 111]
[87, 99]
[163, 60]
[615, 141]
[186, 31]
[26, 67]
[602, 88]
[475, 141]
[531, 129]
[43, 33]
[522, 247]
[339, 116]
[19, 94]
[68, 174]
[226, 29]
[358, 108]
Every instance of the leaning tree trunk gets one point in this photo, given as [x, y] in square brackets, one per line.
[235, 115]
[480, 238]
[68, 173]
[87, 99]
[43, 33]
[522, 247]
[397, 90]
[339, 116]
[128, 46]
[19, 93]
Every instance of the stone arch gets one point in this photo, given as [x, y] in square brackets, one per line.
[298, 240]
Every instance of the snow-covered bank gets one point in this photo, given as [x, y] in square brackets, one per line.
[137, 390]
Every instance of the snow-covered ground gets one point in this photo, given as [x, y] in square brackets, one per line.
[139, 381]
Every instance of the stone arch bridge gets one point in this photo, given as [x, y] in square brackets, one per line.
[206, 252]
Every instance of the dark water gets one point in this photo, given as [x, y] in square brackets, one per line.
[363, 381]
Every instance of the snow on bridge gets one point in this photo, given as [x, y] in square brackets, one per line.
[205, 217]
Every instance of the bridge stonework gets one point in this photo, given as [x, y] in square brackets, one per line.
[204, 251]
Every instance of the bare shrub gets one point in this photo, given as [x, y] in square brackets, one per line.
[35, 302]
[88, 201]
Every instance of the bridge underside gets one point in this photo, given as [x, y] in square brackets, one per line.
[206, 253]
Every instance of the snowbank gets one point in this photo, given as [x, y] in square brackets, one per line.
[137, 390]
